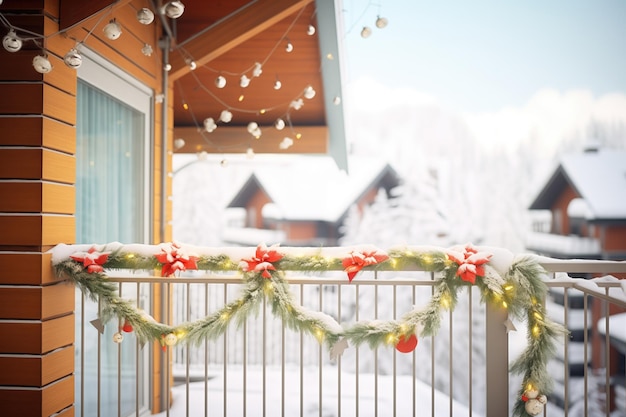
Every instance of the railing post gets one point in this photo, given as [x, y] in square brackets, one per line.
[497, 353]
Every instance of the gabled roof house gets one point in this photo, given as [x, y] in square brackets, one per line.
[585, 203]
[305, 202]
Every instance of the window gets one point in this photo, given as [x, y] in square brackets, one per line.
[112, 204]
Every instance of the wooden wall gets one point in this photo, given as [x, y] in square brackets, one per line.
[37, 194]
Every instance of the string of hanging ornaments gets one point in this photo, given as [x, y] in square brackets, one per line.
[14, 40]
[245, 79]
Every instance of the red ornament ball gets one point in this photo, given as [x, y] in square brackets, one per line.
[127, 327]
[406, 345]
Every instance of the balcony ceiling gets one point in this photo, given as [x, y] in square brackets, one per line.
[227, 38]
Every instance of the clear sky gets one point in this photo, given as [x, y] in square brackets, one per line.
[483, 55]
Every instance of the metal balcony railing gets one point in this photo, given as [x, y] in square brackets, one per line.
[262, 368]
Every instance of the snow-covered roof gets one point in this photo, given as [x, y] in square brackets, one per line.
[598, 176]
[313, 188]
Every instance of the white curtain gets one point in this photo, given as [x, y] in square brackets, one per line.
[110, 186]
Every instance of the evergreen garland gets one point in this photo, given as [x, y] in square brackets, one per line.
[521, 290]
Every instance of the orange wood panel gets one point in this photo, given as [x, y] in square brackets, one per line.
[51, 8]
[237, 139]
[27, 268]
[36, 230]
[59, 105]
[43, 402]
[36, 337]
[37, 370]
[62, 77]
[59, 198]
[59, 167]
[58, 228]
[36, 197]
[36, 303]
[58, 135]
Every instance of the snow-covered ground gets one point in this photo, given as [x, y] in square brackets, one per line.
[306, 401]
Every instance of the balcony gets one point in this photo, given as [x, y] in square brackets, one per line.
[262, 365]
[564, 246]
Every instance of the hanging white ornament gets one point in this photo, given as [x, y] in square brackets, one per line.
[289, 47]
[309, 92]
[73, 59]
[279, 124]
[147, 50]
[257, 70]
[112, 30]
[244, 81]
[145, 16]
[118, 337]
[311, 30]
[209, 124]
[337, 100]
[174, 9]
[226, 116]
[381, 22]
[286, 143]
[277, 85]
[296, 104]
[179, 143]
[252, 126]
[220, 81]
[250, 153]
[12, 42]
[366, 32]
[171, 339]
[42, 64]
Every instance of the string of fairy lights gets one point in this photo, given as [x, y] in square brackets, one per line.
[15, 38]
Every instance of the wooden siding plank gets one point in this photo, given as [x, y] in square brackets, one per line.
[36, 303]
[59, 167]
[37, 197]
[26, 269]
[37, 130]
[34, 164]
[59, 105]
[37, 370]
[21, 98]
[44, 402]
[36, 230]
[37, 337]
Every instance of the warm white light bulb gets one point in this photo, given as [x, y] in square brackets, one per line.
[366, 32]
[381, 22]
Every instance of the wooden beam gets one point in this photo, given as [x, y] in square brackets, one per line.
[234, 139]
[232, 31]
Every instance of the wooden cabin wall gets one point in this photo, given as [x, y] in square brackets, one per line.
[37, 192]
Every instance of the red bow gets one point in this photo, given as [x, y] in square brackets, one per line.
[357, 260]
[174, 260]
[471, 262]
[262, 261]
[91, 259]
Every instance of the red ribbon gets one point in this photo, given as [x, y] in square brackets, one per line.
[263, 261]
[173, 260]
[91, 259]
[354, 262]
